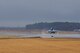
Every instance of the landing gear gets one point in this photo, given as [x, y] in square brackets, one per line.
[52, 36]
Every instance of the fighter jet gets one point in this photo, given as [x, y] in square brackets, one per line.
[52, 31]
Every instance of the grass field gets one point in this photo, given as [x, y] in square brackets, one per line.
[39, 45]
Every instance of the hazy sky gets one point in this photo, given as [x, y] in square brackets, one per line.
[21, 12]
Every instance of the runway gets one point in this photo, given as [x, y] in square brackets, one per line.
[43, 35]
[60, 35]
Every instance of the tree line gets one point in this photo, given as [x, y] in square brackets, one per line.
[67, 26]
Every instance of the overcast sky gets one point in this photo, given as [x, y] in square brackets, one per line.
[18, 13]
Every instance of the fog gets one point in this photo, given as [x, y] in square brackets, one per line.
[22, 12]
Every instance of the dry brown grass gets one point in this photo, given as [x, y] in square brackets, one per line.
[38, 45]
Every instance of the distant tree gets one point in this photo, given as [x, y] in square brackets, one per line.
[68, 26]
